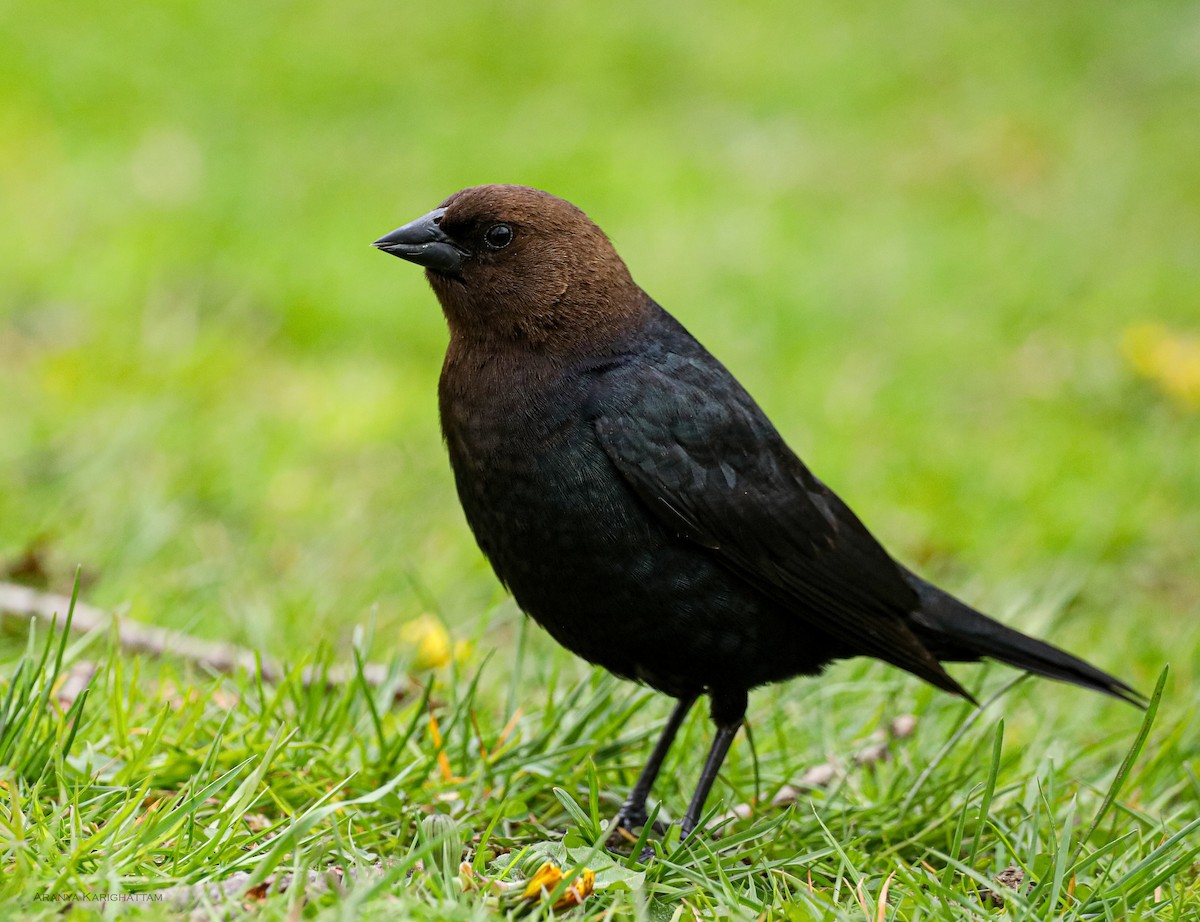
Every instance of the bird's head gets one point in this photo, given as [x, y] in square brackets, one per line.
[517, 264]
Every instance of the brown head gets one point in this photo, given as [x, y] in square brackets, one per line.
[514, 264]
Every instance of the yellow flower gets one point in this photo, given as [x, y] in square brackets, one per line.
[428, 639]
[1167, 359]
[549, 876]
[430, 643]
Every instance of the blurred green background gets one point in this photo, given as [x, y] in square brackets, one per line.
[920, 234]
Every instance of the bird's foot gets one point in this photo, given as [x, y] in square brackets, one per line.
[686, 832]
[648, 853]
[629, 820]
[624, 839]
[622, 842]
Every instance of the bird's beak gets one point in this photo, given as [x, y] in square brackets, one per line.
[423, 242]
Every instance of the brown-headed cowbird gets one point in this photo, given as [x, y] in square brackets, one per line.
[638, 503]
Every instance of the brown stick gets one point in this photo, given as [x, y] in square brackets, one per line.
[20, 602]
[877, 749]
[233, 888]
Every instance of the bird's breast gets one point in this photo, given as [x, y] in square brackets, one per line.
[555, 519]
[583, 555]
[531, 474]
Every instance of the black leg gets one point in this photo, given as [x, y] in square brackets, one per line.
[712, 765]
[633, 812]
[728, 710]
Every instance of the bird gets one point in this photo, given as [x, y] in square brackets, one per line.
[638, 503]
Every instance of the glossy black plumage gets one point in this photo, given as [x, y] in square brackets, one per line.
[635, 499]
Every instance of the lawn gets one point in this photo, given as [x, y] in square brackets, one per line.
[953, 251]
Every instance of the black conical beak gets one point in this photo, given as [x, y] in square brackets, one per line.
[424, 242]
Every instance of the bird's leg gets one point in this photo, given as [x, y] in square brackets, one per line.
[633, 812]
[728, 711]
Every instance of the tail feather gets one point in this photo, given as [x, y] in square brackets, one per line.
[953, 630]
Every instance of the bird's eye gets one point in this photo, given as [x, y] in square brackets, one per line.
[498, 236]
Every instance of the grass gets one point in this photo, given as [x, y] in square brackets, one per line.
[921, 237]
[146, 784]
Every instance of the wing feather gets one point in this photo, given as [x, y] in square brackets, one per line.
[715, 470]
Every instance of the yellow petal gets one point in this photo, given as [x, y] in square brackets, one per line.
[579, 890]
[549, 876]
[1167, 359]
[546, 878]
[427, 638]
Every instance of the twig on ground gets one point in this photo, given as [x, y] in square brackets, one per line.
[233, 887]
[20, 602]
[877, 749]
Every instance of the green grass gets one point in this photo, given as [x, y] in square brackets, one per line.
[917, 233]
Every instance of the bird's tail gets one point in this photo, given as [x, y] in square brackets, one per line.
[953, 630]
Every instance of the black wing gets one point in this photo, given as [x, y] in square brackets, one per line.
[705, 459]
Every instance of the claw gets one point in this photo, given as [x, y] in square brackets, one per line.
[624, 834]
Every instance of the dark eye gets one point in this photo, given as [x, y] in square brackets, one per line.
[498, 236]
